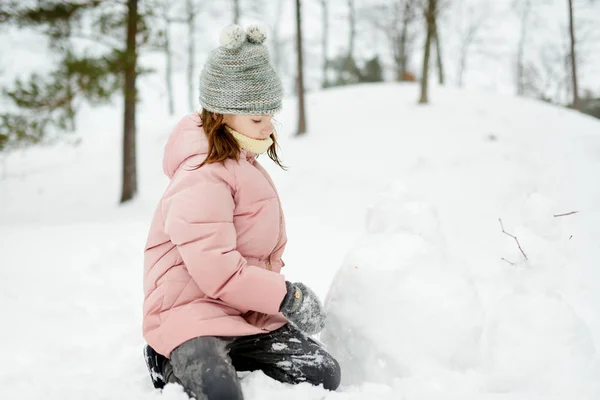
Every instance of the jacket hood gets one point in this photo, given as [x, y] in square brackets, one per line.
[186, 140]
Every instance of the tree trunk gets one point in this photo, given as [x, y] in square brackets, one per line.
[466, 37]
[169, 69]
[129, 160]
[463, 65]
[325, 82]
[526, 10]
[403, 56]
[438, 50]
[236, 11]
[352, 25]
[521, 51]
[576, 104]
[430, 23]
[191, 67]
[301, 106]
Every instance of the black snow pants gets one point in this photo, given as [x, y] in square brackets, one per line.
[206, 366]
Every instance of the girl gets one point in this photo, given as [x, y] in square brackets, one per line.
[215, 301]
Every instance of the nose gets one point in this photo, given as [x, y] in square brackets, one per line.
[268, 126]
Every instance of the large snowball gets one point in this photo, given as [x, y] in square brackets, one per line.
[398, 305]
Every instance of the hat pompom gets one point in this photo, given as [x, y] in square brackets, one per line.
[256, 34]
[232, 37]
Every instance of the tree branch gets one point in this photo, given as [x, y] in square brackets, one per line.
[514, 237]
[511, 263]
[565, 214]
[97, 39]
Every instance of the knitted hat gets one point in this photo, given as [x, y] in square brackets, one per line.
[238, 78]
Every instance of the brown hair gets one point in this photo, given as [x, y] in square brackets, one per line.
[222, 145]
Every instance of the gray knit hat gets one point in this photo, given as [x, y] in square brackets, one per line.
[238, 78]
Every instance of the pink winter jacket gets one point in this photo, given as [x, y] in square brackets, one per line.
[213, 254]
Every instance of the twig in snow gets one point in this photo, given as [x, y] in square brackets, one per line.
[504, 259]
[565, 214]
[514, 237]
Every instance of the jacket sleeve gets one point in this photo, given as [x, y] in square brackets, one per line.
[199, 221]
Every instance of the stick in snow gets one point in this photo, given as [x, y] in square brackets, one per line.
[514, 237]
[504, 259]
[565, 214]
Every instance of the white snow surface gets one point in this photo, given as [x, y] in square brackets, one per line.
[393, 218]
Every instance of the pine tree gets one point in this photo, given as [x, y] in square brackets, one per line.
[372, 71]
[45, 106]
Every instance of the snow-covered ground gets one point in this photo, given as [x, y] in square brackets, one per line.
[393, 205]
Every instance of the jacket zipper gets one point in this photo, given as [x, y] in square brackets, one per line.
[269, 265]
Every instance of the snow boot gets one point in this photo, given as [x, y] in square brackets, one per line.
[155, 363]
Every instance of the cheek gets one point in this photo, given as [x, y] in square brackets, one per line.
[253, 130]
[248, 128]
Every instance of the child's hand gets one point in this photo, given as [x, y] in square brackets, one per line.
[302, 307]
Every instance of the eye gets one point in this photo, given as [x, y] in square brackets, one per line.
[256, 121]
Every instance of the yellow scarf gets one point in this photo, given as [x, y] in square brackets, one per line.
[256, 146]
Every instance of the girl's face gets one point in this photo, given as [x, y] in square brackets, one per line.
[253, 126]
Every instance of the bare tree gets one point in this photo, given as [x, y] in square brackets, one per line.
[165, 46]
[546, 74]
[189, 12]
[469, 33]
[548, 77]
[236, 11]
[301, 105]
[524, 8]
[280, 41]
[566, 60]
[438, 50]
[276, 36]
[403, 40]
[192, 10]
[130, 93]
[325, 38]
[394, 20]
[576, 104]
[430, 17]
[352, 26]
[169, 69]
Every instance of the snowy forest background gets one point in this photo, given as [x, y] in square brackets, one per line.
[64, 54]
[442, 203]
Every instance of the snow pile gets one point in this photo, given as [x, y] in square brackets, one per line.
[403, 312]
[406, 199]
[398, 305]
[535, 343]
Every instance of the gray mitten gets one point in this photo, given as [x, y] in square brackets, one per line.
[302, 307]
